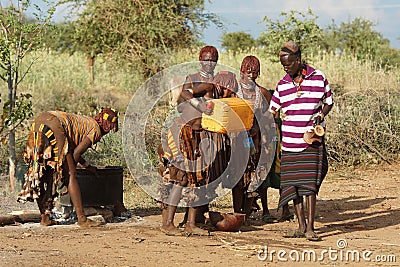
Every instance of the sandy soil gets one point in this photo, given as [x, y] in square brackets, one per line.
[357, 215]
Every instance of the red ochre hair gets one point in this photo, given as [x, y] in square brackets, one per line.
[209, 49]
[250, 63]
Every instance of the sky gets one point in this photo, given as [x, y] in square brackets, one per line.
[247, 15]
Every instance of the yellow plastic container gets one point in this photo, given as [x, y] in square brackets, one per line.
[230, 115]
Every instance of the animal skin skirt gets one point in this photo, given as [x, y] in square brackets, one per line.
[44, 153]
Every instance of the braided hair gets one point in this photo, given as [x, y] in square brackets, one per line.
[226, 80]
[250, 63]
[209, 49]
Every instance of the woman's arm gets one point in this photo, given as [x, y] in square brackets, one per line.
[80, 149]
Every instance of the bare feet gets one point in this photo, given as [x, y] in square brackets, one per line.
[194, 230]
[86, 223]
[48, 223]
[170, 230]
[46, 220]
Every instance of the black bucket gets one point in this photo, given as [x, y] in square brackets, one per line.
[104, 190]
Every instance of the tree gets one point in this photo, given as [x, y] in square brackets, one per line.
[357, 38]
[236, 41]
[296, 26]
[22, 110]
[18, 38]
[387, 56]
[139, 30]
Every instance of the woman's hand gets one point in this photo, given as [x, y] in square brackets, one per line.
[92, 169]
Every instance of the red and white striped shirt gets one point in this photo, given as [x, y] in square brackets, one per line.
[299, 110]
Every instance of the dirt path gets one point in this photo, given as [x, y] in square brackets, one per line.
[357, 215]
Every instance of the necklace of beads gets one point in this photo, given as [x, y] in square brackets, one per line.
[249, 87]
[298, 85]
[245, 93]
[206, 75]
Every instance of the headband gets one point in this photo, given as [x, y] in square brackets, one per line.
[111, 118]
[287, 50]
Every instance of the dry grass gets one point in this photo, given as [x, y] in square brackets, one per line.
[363, 127]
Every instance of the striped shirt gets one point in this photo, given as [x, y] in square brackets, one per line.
[77, 127]
[299, 111]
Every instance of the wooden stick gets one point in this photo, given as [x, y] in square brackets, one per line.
[20, 217]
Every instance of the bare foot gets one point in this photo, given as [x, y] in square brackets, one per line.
[194, 230]
[170, 230]
[48, 222]
[87, 223]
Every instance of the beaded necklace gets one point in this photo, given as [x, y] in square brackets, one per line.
[302, 77]
[207, 76]
[250, 92]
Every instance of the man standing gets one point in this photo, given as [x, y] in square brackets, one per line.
[304, 97]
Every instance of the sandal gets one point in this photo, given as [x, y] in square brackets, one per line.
[268, 218]
[312, 236]
[294, 234]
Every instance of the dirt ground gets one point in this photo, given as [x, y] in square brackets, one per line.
[357, 217]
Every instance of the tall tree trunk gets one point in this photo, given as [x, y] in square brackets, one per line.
[90, 65]
[12, 160]
[13, 156]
